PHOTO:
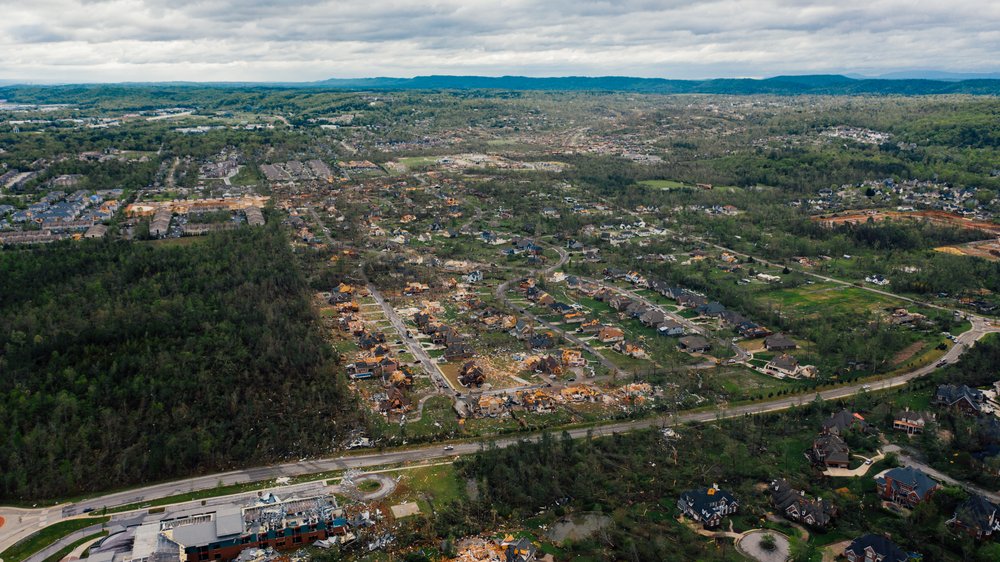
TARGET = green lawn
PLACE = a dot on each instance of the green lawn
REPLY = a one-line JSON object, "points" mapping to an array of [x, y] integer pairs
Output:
{"points": [[742, 384], [43, 538], [432, 485], [664, 184], [823, 298]]}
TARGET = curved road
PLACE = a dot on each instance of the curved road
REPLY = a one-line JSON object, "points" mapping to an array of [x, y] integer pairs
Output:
{"points": [[980, 328]]}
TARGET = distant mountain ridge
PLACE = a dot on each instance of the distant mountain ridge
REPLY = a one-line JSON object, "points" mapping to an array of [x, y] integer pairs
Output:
{"points": [[830, 84], [811, 84]]}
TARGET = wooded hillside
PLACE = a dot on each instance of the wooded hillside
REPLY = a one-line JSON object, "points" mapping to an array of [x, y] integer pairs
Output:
{"points": [[126, 363]]}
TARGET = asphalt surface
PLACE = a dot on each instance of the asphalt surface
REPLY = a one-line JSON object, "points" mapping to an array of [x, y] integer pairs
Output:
{"points": [[22, 522], [434, 452], [411, 343]]}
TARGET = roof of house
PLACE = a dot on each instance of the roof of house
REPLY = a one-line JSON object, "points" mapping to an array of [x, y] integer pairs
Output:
{"points": [[843, 420], [952, 394], [653, 315], [694, 342], [879, 545], [711, 308], [784, 496], [704, 501], [784, 362], [913, 478], [779, 341], [912, 416], [832, 447]]}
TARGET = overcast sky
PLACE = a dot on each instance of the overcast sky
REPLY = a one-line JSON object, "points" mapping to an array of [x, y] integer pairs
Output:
{"points": [[303, 40]]}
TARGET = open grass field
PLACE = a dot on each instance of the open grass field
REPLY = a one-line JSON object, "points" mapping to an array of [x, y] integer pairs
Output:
{"points": [[742, 383], [664, 184], [413, 162], [432, 487], [824, 298]]}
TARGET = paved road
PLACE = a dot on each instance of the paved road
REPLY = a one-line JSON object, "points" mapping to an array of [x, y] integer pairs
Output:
{"points": [[772, 264], [64, 542], [980, 328], [501, 295], [741, 354], [22, 522], [433, 371], [906, 458], [13, 529]]}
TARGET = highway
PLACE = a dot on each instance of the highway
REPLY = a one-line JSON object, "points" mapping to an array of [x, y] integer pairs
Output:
{"points": [[21, 522]]}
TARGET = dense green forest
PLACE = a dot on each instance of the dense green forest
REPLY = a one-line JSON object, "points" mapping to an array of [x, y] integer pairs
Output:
{"points": [[126, 363]]}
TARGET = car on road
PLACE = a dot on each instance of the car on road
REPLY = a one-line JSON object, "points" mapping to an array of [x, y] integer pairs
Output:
{"points": [[868, 461], [88, 509], [449, 448], [941, 364]]}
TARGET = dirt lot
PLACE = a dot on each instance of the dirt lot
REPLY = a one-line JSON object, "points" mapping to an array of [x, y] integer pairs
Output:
{"points": [[939, 217]]}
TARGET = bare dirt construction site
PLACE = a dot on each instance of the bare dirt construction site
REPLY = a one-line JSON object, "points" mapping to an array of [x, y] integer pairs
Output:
{"points": [[986, 249], [937, 217]]}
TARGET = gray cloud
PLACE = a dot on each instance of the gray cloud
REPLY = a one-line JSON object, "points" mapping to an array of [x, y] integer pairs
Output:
{"points": [[97, 40]]}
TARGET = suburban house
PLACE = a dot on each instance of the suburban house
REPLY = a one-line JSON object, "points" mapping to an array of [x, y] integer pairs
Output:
{"points": [[879, 280], [636, 309], [707, 505], [711, 309], [520, 550], [786, 365], [751, 330], [522, 329], [653, 317], [573, 358], [592, 327], [541, 340], [471, 375], [694, 344], [670, 328], [610, 335], [794, 505], [831, 451], [906, 486], [691, 300], [911, 422], [458, 350], [961, 397], [779, 342], [874, 548], [629, 349], [977, 516], [844, 421], [619, 302]]}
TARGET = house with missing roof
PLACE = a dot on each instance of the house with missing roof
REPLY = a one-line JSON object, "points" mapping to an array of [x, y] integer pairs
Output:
{"points": [[977, 516]]}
